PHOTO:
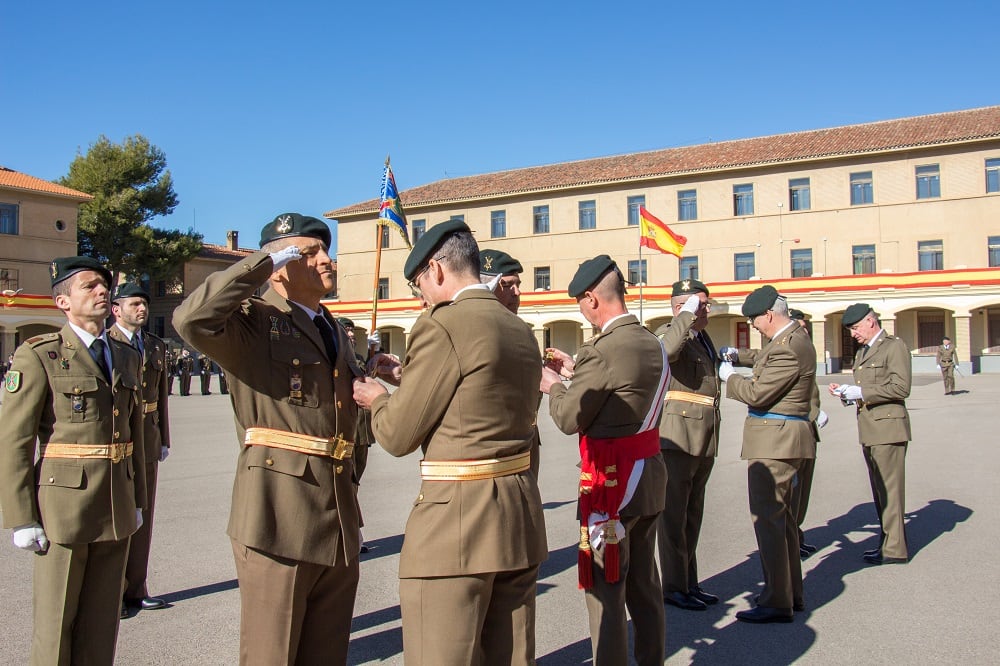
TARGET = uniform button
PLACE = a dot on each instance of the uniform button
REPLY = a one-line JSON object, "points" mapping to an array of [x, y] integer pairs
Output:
{"points": [[420, 497], [115, 412], [144, 383], [77, 390], [336, 373], [117, 434], [684, 412], [52, 479], [269, 462], [338, 405], [295, 361], [339, 469]]}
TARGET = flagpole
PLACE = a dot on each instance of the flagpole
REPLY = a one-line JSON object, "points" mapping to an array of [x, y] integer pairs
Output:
{"points": [[378, 263], [641, 281]]}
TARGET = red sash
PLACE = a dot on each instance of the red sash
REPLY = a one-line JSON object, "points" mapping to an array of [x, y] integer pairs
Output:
{"points": [[605, 468]]}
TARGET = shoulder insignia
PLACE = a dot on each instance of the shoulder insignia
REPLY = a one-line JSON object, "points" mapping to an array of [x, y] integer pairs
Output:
{"points": [[45, 337], [12, 382]]}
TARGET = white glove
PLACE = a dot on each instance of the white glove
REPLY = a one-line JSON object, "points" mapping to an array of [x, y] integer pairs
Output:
{"points": [[726, 370], [285, 256], [822, 419], [692, 304], [374, 340], [138, 518], [164, 452], [729, 354], [939, 367], [31, 537], [848, 392]]}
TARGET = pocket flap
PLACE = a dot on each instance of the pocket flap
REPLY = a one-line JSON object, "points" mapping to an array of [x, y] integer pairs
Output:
{"points": [[62, 475], [435, 492], [277, 460], [74, 384]]}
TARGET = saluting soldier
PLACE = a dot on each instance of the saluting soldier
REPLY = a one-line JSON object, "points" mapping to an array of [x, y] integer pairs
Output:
{"points": [[614, 402], [476, 535], [945, 359], [294, 522], [76, 391], [186, 365], [689, 441], [883, 377], [131, 310], [777, 437]]}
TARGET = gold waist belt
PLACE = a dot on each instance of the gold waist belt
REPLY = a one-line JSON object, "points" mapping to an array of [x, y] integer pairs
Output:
{"points": [[334, 447], [471, 470], [113, 452], [696, 398], [149, 407]]}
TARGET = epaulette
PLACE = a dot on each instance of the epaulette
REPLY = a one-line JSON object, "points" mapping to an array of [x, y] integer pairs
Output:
{"points": [[435, 307], [39, 339]]}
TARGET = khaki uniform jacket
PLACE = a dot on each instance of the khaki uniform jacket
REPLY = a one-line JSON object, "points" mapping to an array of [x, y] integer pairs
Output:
{"points": [[614, 384], [688, 426], [285, 503], [783, 382], [945, 357], [469, 391], [64, 398], [885, 375], [156, 425]]}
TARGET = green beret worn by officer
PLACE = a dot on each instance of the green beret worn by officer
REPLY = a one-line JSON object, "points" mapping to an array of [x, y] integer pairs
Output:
{"points": [[294, 514], [422, 250], [498, 262], [131, 310], [77, 498], [501, 272], [797, 315], [759, 301], [687, 287], [589, 273]]}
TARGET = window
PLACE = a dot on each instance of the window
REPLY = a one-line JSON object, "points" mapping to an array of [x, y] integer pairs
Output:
{"points": [[8, 219], [798, 194], [930, 255], [9, 279], [159, 326], [688, 268], [993, 247], [637, 271], [383, 289], [863, 259], [385, 235], [543, 281], [161, 288], [993, 175], [633, 209], [743, 266], [687, 205], [930, 330], [861, 188], [588, 215], [540, 215], [802, 263], [742, 200], [928, 181], [498, 223], [460, 218], [418, 230]]}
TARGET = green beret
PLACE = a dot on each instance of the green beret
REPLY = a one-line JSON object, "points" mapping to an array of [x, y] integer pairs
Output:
{"points": [[497, 262], [855, 313], [796, 314], [345, 322], [288, 225], [760, 301], [588, 274], [63, 267], [430, 241], [691, 286], [129, 290]]}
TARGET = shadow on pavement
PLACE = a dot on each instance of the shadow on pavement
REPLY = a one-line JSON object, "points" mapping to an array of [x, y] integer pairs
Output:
{"points": [[200, 591]]}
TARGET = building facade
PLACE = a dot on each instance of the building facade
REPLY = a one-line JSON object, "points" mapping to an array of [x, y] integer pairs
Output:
{"points": [[902, 214]]}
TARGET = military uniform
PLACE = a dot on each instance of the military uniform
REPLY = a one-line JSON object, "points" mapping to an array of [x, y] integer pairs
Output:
{"points": [[945, 359], [156, 436], [205, 370], [294, 522], [185, 366], [171, 371], [84, 489]]}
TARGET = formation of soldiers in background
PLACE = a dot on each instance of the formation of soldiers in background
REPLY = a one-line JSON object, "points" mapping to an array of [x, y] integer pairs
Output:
{"points": [[182, 364]]}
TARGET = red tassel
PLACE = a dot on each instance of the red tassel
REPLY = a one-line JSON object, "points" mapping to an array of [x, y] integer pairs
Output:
{"points": [[612, 564], [585, 561]]}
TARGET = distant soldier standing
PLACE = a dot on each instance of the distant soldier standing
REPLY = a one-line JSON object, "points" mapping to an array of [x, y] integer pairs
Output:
{"points": [[186, 365], [171, 370], [205, 370], [945, 359]]}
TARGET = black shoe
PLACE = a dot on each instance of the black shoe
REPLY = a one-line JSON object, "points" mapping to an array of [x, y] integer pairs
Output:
{"points": [[703, 596], [124, 612], [682, 600], [797, 606], [765, 615], [873, 551], [364, 548], [146, 603], [878, 558], [803, 553]]}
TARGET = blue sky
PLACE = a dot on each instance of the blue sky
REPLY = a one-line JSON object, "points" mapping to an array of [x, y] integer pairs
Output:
{"points": [[265, 107]]}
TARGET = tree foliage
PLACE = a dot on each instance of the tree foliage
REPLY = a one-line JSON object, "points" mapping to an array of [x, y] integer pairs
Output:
{"points": [[131, 185]]}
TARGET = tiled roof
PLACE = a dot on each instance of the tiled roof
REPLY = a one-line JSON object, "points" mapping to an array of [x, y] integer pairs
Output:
{"points": [[22, 181], [209, 251], [887, 135]]}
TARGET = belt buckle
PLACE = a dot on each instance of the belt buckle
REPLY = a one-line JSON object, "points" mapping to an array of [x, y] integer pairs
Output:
{"points": [[341, 448], [117, 453]]}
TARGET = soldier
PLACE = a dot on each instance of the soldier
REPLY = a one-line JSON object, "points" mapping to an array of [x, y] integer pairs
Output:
{"points": [[77, 392], [689, 441], [777, 436], [186, 366], [294, 522], [503, 273], [131, 310], [945, 359], [223, 382], [171, 370], [476, 535], [884, 376], [614, 402], [363, 437], [205, 370]]}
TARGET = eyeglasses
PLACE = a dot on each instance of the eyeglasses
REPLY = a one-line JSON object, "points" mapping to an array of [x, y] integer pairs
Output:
{"points": [[751, 320], [412, 284]]}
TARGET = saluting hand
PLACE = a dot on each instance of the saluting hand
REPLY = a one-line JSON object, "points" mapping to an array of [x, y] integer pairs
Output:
{"points": [[283, 257]]}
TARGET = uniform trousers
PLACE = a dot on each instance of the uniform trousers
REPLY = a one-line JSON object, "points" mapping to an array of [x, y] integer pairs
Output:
{"points": [[470, 620], [771, 506], [887, 473], [294, 612], [680, 523], [800, 493], [638, 589], [185, 383], [948, 373], [205, 381], [77, 601], [138, 548]]}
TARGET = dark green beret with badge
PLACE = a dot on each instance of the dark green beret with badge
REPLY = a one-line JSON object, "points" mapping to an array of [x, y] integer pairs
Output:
{"points": [[64, 267], [498, 262], [589, 273], [688, 287], [128, 290], [428, 243], [288, 225], [855, 313], [798, 315], [345, 322], [760, 301]]}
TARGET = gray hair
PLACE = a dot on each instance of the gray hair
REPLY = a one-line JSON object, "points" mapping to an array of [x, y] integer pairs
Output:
{"points": [[780, 306]]}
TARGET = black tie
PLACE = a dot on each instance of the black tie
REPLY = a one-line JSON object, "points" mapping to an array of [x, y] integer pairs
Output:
{"points": [[97, 352], [326, 332], [137, 342]]}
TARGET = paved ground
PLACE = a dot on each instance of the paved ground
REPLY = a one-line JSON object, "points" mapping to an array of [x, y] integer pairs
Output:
{"points": [[937, 609]]}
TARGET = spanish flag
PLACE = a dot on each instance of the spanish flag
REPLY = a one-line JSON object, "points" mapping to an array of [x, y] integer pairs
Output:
{"points": [[655, 234]]}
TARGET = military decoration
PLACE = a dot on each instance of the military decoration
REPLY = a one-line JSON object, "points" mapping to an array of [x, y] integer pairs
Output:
{"points": [[284, 224], [274, 329], [64, 363], [77, 403], [286, 329], [52, 355], [295, 386]]}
